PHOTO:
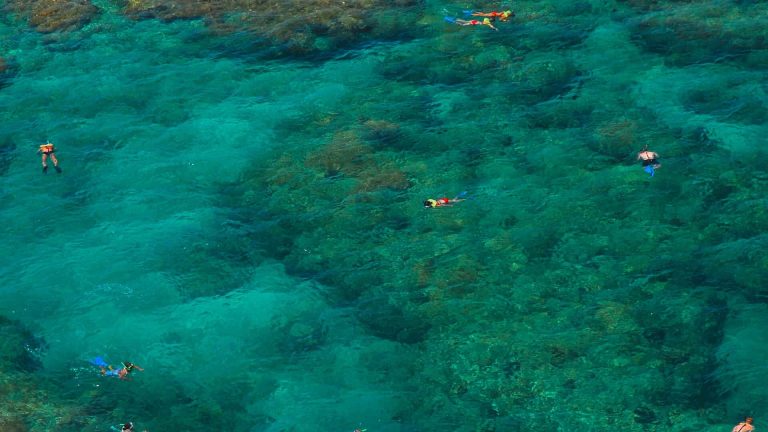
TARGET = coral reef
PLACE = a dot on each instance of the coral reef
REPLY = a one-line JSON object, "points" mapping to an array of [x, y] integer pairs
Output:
{"points": [[570, 291], [299, 26], [30, 402], [54, 15], [698, 32]]}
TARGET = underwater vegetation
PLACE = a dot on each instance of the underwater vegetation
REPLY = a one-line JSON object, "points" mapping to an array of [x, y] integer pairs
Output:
{"points": [[298, 26], [285, 28], [54, 15], [583, 303], [570, 291]]}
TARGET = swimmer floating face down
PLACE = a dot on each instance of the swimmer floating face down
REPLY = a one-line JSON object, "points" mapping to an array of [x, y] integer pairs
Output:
{"points": [[650, 160], [444, 202], [461, 22], [504, 16]]}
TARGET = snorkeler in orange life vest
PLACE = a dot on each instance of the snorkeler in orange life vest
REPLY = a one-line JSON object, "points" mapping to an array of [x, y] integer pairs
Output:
{"points": [[47, 149], [504, 16]]}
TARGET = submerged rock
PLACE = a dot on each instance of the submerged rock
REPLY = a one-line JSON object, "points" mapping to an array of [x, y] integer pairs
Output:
{"points": [[19, 348], [701, 32], [644, 415], [300, 26], [12, 425], [391, 322], [54, 15], [8, 70]]}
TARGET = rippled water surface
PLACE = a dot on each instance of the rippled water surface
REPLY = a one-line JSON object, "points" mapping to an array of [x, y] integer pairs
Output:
{"points": [[240, 213]]}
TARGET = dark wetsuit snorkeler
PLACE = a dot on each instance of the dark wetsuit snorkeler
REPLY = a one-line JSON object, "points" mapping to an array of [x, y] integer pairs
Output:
{"points": [[650, 160], [127, 427], [47, 150]]}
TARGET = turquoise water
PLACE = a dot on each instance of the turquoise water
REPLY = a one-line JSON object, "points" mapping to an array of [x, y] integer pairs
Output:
{"points": [[240, 213]]}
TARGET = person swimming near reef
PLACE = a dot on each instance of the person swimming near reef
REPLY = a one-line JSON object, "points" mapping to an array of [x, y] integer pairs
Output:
{"points": [[128, 367], [650, 160], [504, 16], [108, 370], [461, 22], [444, 202], [126, 427], [47, 150], [745, 426]]}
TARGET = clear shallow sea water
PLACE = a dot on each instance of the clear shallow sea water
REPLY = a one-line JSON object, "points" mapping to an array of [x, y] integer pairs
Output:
{"points": [[249, 229]]}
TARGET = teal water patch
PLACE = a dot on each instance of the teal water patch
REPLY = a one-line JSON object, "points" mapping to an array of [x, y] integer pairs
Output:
{"points": [[251, 232]]}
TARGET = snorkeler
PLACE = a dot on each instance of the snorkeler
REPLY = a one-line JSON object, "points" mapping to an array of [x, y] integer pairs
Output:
{"points": [[745, 426], [47, 149], [444, 202], [108, 370], [649, 158], [461, 22], [504, 16], [127, 427], [128, 367]]}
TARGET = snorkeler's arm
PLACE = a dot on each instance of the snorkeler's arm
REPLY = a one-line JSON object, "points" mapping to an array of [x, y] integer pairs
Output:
{"points": [[138, 367]]}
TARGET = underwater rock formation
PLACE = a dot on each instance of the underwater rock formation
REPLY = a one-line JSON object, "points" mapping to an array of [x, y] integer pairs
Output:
{"points": [[19, 348], [31, 405], [700, 32], [300, 26], [8, 70], [29, 402], [54, 15]]}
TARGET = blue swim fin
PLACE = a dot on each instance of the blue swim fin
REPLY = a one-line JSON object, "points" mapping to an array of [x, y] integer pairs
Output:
{"points": [[450, 20], [461, 195], [468, 12], [98, 361], [649, 169]]}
